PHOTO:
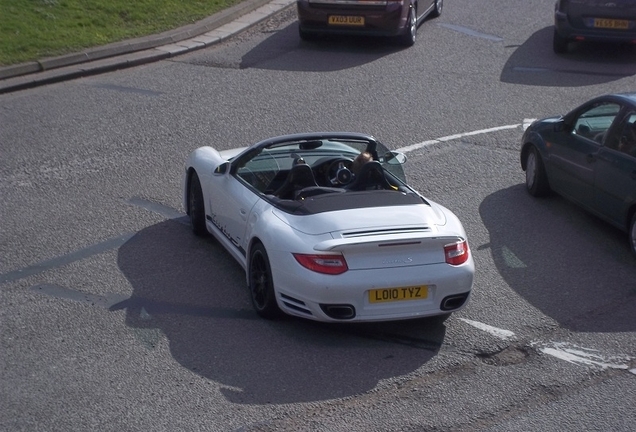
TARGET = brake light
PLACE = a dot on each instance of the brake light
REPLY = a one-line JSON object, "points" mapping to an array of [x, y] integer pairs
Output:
{"points": [[327, 264], [456, 253]]}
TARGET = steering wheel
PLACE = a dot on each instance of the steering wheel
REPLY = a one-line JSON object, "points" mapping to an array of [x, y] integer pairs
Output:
{"points": [[339, 172]]}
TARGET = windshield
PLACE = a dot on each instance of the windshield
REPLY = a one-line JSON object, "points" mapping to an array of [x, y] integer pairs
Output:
{"points": [[265, 167]]}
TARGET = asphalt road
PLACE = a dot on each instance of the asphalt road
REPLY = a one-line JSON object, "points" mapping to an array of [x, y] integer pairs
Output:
{"points": [[114, 317]]}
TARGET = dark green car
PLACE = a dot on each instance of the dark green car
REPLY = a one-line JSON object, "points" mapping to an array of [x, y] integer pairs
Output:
{"points": [[589, 157]]}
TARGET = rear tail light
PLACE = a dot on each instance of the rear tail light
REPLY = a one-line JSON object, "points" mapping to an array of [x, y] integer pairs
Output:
{"points": [[326, 264], [456, 253]]}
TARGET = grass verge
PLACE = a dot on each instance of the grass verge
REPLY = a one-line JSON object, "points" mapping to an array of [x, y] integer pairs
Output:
{"points": [[35, 29]]}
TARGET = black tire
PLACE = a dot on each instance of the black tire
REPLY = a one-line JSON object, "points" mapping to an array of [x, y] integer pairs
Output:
{"points": [[261, 284], [410, 32], [559, 43], [196, 206], [632, 234], [536, 179], [437, 10]]}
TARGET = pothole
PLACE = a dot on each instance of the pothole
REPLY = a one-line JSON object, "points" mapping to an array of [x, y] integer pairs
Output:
{"points": [[508, 356]]}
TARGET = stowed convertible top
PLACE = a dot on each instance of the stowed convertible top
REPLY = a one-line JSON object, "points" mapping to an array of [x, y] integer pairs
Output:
{"points": [[321, 199]]}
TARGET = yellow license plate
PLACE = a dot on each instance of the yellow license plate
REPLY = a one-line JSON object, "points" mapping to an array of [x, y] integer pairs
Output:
{"points": [[346, 20], [611, 23], [398, 294]]}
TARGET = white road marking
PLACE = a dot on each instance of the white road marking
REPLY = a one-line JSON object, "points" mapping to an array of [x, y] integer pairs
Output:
{"points": [[527, 122], [564, 351], [471, 32], [584, 356], [497, 332], [511, 259], [454, 137]]}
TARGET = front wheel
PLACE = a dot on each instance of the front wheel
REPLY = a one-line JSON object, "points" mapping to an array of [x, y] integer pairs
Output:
{"points": [[410, 31], [261, 284], [632, 234], [536, 178]]}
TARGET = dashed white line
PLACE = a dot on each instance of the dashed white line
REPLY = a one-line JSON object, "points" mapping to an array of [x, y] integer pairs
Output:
{"points": [[497, 332]]}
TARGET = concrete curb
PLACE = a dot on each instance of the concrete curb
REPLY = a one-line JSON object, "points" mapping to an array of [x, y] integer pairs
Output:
{"points": [[135, 52]]}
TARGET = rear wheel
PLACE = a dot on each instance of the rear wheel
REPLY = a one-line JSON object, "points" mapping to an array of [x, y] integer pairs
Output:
{"points": [[196, 206], [410, 32], [559, 43], [261, 284], [437, 11], [632, 234], [536, 179]]}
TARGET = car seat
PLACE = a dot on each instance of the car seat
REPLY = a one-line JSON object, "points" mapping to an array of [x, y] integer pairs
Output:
{"points": [[300, 176]]}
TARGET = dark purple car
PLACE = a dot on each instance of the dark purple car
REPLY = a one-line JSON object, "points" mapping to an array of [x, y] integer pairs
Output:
{"points": [[365, 17], [593, 20]]}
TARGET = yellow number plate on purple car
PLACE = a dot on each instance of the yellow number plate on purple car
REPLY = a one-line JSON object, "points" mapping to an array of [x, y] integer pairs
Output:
{"points": [[398, 294], [611, 23], [346, 20]]}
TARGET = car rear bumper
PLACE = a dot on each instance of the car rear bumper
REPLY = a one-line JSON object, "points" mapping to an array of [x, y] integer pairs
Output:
{"points": [[388, 21], [307, 294], [566, 30]]}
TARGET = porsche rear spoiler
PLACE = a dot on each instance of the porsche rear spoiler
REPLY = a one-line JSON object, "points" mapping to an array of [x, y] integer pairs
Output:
{"points": [[403, 239]]}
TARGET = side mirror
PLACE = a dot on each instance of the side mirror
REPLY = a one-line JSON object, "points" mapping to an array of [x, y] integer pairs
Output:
{"points": [[394, 158], [221, 169], [565, 123]]}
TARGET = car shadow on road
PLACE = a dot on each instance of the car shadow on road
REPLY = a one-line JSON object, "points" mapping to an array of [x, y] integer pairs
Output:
{"points": [[535, 63], [567, 263], [285, 51], [192, 291]]}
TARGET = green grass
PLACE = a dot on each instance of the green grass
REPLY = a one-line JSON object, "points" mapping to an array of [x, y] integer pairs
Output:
{"points": [[35, 29]]}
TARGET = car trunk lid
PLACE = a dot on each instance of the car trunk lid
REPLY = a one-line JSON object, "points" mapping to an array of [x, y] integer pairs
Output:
{"points": [[382, 237], [582, 14]]}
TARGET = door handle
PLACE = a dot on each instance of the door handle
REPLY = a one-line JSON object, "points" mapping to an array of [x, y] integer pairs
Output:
{"points": [[243, 213], [590, 158]]}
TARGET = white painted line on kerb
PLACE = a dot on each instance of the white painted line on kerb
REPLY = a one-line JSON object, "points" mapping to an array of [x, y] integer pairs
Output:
{"points": [[454, 137], [497, 332]]}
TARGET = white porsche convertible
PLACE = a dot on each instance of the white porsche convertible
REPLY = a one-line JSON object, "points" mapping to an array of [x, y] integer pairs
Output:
{"points": [[324, 239]]}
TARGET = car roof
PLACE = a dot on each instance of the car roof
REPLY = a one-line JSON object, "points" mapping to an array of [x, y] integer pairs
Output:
{"points": [[628, 97]]}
